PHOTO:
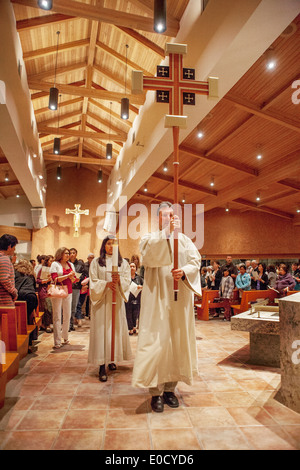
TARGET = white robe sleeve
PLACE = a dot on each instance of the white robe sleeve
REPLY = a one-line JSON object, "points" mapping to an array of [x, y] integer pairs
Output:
{"points": [[97, 285], [156, 250], [192, 267], [125, 280]]}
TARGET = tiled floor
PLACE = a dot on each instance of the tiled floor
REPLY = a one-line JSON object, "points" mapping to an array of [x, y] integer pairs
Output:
{"points": [[57, 402]]}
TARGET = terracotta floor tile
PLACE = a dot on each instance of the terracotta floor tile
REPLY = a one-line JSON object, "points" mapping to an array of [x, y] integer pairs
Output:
{"points": [[128, 401], [210, 417], [126, 418], [88, 402], [41, 420], [60, 389], [46, 402], [170, 418], [200, 399], [85, 419], [79, 440], [222, 439], [175, 439], [251, 416], [127, 440], [267, 438], [25, 441]]}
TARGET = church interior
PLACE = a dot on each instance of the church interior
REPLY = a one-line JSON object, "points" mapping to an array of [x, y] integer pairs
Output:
{"points": [[239, 171]]}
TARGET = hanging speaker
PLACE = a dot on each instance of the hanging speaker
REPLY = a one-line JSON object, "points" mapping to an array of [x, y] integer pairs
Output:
{"points": [[39, 218]]}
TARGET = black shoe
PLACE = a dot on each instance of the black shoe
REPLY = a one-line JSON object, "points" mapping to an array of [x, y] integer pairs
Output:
{"points": [[102, 373], [112, 366], [157, 404], [170, 399]]}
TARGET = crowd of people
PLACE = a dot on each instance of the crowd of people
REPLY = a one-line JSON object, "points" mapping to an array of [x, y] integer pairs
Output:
{"points": [[160, 359]]}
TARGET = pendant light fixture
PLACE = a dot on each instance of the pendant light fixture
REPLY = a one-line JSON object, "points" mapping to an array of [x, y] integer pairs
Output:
{"points": [[109, 145], [100, 176], [160, 16], [125, 101], [56, 143], [45, 4], [53, 96], [58, 173]]}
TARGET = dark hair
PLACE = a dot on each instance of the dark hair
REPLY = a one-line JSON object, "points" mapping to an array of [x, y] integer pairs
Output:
{"points": [[74, 250], [263, 266], [102, 256], [284, 267], [271, 268], [243, 266], [162, 205], [7, 240]]}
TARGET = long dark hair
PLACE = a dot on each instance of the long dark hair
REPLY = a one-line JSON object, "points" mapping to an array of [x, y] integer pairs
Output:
{"points": [[102, 256]]}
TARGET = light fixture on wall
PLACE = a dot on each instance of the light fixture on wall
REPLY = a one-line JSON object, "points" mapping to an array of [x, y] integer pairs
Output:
{"points": [[58, 173], [125, 101], [109, 145], [56, 142], [45, 4], [53, 95], [99, 177], [160, 16]]}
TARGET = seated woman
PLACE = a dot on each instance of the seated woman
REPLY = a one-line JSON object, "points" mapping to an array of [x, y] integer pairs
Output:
{"points": [[25, 285], [285, 281]]}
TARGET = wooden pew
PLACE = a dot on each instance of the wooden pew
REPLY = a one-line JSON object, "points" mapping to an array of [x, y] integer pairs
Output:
{"points": [[15, 342], [249, 296], [10, 365], [22, 326], [203, 307], [3, 381]]}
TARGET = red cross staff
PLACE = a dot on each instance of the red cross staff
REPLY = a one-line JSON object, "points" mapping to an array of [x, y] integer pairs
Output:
{"points": [[175, 85]]}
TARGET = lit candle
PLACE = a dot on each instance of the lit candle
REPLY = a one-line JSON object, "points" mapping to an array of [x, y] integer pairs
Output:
{"points": [[115, 257]]}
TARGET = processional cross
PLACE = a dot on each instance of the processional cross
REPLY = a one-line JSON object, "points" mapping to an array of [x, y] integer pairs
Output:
{"points": [[177, 86], [76, 219]]}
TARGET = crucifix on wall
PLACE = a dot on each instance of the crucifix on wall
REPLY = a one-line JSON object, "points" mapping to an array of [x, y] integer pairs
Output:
{"points": [[76, 219], [177, 86]]}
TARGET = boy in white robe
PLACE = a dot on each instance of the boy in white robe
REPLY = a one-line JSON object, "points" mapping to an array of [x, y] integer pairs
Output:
{"points": [[166, 351]]}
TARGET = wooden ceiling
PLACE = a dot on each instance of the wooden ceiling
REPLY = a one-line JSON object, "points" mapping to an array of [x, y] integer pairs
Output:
{"points": [[256, 116], [90, 73]]}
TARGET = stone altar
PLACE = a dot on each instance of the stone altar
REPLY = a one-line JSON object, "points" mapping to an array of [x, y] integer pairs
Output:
{"points": [[289, 314], [262, 323]]}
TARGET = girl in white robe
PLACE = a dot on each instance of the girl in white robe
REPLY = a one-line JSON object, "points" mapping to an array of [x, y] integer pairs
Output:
{"points": [[101, 281]]}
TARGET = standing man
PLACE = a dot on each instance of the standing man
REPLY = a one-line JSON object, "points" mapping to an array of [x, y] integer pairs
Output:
{"points": [[166, 351], [84, 293], [8, 292], [233, 271], [134, 300], [79, 267]]}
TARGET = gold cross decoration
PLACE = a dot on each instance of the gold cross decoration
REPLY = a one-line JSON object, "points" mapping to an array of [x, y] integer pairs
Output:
{"points": [[76, 219]]}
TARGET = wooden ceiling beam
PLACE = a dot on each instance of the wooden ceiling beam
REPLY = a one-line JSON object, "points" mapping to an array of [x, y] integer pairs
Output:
{"points": [[219, 160], [86, 135], [269, 210], [45, 51], [142, 40], [289, 184], [83, 92], [105, 123], [107, 110], [121, 58], [76, 159], [61, 105], [59, 71], [62, 117], [256, 110], [185, 184], [40, 21], [105, 15]]}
